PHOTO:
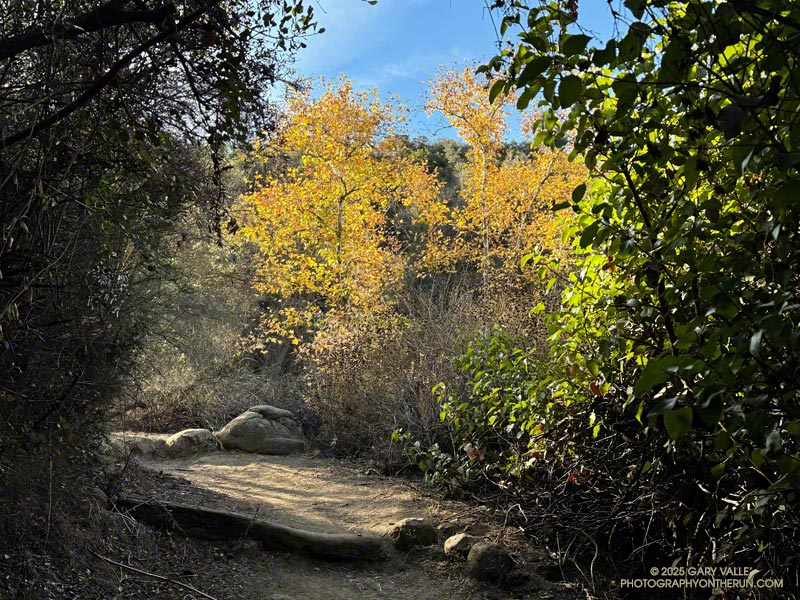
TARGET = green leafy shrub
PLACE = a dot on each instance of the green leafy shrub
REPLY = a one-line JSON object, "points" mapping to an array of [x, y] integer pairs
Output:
{"points": [[496, 409], [681, 320]]}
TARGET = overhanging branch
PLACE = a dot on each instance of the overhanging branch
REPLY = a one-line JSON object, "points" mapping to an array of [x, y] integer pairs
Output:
{"points": [[103, 81], [104, 17]]}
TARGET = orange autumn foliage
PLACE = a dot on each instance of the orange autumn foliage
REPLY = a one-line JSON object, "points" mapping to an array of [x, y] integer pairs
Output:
{"points": [[320, 222], [505, 207]]}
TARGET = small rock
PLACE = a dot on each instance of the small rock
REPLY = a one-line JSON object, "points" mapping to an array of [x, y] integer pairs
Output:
{"points": [[189, 442], [489, 562], [99, 495], [459, 545], [409, 533], [449, 529]]}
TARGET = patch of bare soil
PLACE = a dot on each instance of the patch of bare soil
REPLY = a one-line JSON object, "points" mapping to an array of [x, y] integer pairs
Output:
{"points": [[322, 495]]}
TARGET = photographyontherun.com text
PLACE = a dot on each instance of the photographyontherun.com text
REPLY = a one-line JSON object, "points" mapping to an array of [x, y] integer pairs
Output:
{"points": [[704, 578]]}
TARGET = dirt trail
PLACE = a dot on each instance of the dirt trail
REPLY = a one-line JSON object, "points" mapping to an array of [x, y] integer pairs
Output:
{"points": [[330, 496], [308, 493]]}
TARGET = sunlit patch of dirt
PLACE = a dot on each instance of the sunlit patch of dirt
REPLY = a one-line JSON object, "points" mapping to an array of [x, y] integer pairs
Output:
{"points": [[327, 495]]}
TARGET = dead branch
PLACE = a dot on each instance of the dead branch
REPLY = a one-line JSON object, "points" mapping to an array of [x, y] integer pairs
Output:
{"points": [[185, 586]]}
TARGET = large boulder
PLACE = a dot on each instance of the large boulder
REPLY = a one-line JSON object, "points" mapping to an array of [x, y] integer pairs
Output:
{"points": [[189, 442], [412, 532], [489, 562], [264, 429]]}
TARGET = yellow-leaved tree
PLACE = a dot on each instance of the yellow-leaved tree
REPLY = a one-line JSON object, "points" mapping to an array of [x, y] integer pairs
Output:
{"points": [[505, 206], [319, 220]]}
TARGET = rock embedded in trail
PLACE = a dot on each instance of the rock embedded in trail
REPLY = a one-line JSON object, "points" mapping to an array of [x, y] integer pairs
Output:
{"points": [[413, 532], [190, 442], [459, 545], [263, 429], [489, 562], [137, 444], [213, 524]]}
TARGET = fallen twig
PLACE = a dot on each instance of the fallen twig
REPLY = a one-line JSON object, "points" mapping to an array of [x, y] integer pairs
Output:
{"points": [[185, 586]]}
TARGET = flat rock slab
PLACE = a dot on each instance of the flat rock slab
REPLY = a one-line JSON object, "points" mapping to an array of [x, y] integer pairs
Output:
{"points": [[139, 444], [213, 524]]}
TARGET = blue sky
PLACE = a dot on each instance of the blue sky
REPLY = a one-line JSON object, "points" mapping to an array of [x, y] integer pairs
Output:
{"points": [[397, 45]]}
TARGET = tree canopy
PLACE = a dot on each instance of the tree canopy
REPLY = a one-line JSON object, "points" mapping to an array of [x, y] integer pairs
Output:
{"points": [[321, 222], [504, 204], [114, 117]]}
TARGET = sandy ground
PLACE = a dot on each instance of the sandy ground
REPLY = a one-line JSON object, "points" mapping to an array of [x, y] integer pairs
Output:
{"points": [[326, 495]]}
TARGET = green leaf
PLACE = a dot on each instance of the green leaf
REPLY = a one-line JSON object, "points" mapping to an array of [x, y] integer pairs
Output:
{"points": [[730, 120], [524, 99], [675, 61], [630, 48], [678, 422], [636, 7], [746, 160], [578, 193], [497, 87], [535, 67], [786, 160], [757, 458], [574, 44], [605, 56], [626, 90], [570, 90], [653, 374], [793, 427], [588, 235], [639, 411], [755, 343], [525, 260], [665, 405], [722, 441], [774, 442]]}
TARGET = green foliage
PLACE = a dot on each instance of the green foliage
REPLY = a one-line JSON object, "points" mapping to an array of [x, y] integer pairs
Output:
{"points": [[685, 304], [496, 410], [496, 413], [695, 134]]}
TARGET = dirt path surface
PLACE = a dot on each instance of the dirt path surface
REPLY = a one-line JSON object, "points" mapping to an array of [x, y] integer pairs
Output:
{"points": [[304, 492], [330, 496]]}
